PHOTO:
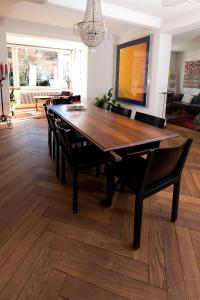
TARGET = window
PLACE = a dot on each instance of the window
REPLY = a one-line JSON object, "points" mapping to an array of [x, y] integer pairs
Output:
{"points": [[36, 67]]}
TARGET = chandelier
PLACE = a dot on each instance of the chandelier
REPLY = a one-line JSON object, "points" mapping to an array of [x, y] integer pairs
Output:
{"points": [[92, 29]]}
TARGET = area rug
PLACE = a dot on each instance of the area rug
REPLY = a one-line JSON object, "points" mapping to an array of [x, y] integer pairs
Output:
{"points": [[186, 121]]}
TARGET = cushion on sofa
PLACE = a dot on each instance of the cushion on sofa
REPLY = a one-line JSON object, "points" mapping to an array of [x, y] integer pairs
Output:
{"points": [[196, 100], [187, 98]]}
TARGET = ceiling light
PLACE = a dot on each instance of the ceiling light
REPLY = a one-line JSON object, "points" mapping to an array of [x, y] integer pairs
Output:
{"points": [[92, 29]]}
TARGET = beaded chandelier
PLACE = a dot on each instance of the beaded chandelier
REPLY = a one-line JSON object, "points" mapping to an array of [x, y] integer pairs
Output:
{"points": [[92, 29]]}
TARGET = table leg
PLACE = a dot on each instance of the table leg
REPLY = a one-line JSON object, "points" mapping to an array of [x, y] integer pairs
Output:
{"points": [[36, 106]]}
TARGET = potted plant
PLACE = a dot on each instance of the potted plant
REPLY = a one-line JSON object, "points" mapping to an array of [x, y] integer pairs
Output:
{"points": [[13, 101], [106, 98], [197, 122]]}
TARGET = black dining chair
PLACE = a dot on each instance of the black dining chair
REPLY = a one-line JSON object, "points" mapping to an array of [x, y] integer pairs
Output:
{"points": [[121, 111], [104, 105], [75, 98], [76, 138], [162, 168], [50, 130], [82, 158], [150, 119], [65, 94], [59, 101]]}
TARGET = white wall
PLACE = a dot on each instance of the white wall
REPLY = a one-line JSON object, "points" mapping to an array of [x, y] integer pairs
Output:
{"points": [[159, 71], [100, 69]]}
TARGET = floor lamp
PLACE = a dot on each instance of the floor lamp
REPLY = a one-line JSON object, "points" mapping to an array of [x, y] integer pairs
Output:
{"points": [[165, 103]]}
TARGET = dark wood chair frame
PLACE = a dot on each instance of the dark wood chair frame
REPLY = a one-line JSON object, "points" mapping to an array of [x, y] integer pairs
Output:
{"points": [[157, 162], [151, 120], [121, 111], [78, 140], [59, 101], [67, 155], [50, 130], [148, 119], [104, 105]]}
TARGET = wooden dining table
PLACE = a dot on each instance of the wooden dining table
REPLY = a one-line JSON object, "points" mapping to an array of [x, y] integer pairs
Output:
{"points": [[110, 131]]}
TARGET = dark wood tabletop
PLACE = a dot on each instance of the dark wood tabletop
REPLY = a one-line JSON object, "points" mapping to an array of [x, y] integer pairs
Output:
{"points": [[110, 131]]}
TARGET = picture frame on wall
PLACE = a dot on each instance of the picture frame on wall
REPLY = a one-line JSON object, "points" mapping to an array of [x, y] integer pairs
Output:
{"points": [[132, 71]]}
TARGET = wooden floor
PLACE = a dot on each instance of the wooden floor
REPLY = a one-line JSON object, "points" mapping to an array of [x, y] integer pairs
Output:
{"points": [[48, 253]]}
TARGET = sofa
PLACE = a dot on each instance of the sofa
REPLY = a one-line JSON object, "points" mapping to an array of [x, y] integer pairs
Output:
{"points": [[176, 102]]}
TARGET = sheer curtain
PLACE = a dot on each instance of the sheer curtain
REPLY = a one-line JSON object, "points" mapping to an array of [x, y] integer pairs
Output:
{"points": [[79, 73]]}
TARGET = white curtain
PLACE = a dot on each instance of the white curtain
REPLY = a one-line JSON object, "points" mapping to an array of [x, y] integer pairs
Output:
{"points": [[79, 73]]}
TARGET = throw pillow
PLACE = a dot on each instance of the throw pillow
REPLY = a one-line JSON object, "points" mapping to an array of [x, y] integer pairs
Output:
{"points": [[187, 98]]}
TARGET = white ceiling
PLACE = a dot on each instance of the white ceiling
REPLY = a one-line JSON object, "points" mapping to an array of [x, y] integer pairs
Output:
{"points": [[56, 16], [154, 7], [186, 41], [64, 13]]}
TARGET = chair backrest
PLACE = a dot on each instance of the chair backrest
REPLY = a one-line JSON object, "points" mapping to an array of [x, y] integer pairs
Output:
{"points": [[75, 99], [47, 115], [52, 125], [121, 111], [104, 105], [65, 93], [59, 101], [66, 145], [165, 164], [149, 119]]}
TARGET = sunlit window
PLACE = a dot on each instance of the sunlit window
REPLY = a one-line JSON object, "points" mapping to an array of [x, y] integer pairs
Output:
{"points": [[39, 67]]}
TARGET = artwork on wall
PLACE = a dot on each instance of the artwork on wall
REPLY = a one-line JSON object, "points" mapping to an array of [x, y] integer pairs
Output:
{"points": [[192, 74], [132, 71]]}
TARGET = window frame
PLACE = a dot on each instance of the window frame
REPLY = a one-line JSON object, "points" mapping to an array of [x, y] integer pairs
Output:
{"points": [[15, 66]]}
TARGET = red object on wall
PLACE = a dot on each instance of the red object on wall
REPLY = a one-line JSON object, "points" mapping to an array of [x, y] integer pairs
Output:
{"points": [[1, 68]]}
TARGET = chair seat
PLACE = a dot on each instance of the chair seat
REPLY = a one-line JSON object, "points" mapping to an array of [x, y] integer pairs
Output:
{"points": [[90, 155]]}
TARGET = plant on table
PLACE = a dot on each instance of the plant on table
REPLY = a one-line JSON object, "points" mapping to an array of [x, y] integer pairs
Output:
{"points": [[107, 98]]}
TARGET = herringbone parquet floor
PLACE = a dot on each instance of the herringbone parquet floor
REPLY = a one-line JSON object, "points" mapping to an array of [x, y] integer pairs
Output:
{"points": [[48, 253]]}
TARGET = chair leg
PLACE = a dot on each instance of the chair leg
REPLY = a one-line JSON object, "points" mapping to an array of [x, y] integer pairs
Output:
{"points": [[175, 201], [57, 160], [50, 141], [49, 132], [63, 168], [109, 184], [98, 170], [137, 222], [54, 148], [122, 186], [75, 192]]}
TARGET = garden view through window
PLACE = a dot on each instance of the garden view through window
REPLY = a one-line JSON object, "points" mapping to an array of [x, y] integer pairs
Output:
{"points": [[39, 67]]}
